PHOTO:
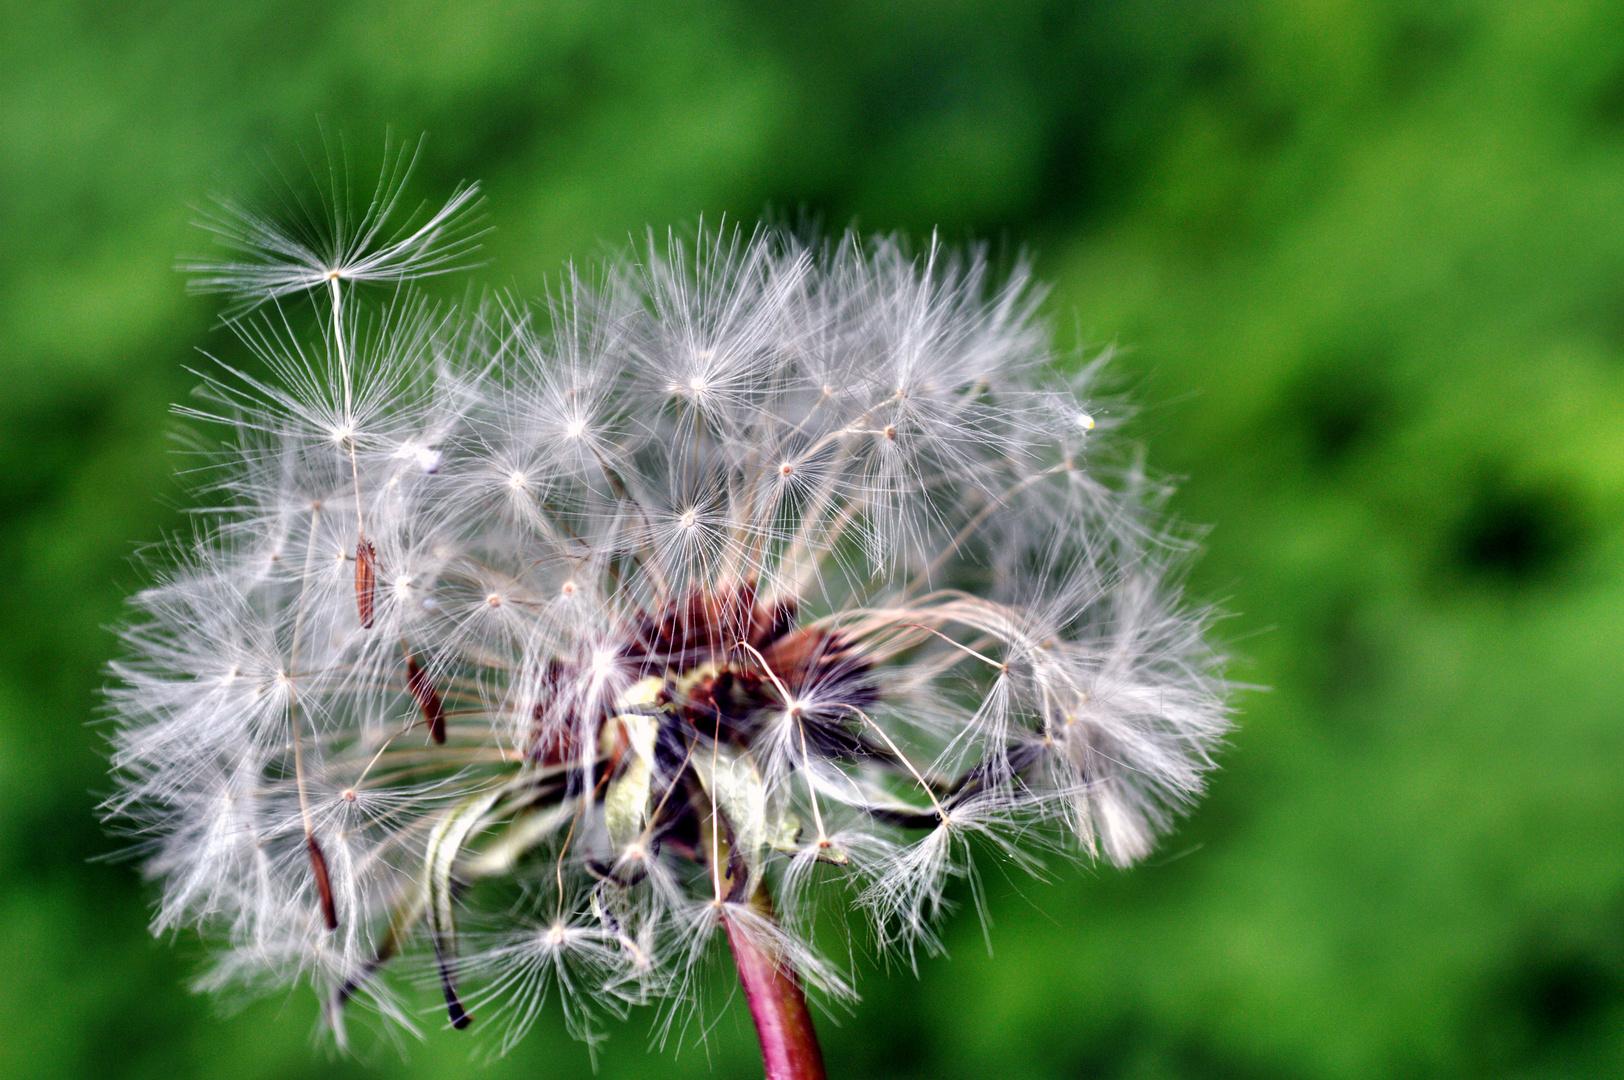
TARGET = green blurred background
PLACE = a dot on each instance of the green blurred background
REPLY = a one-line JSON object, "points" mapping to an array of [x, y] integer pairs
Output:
{"points": [[1367, 264]]}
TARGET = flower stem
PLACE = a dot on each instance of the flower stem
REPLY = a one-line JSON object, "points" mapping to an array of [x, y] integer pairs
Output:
{"points": [[789, 1045]]}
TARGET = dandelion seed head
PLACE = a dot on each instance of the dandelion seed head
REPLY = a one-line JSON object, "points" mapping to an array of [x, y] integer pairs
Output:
{"points": [[745, 569]]}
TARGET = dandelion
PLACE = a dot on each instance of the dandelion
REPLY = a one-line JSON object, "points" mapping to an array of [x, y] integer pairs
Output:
{"points": [[531, 650]]}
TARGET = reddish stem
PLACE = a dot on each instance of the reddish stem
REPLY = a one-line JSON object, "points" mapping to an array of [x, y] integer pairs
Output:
{"points": [[789, 1045]]}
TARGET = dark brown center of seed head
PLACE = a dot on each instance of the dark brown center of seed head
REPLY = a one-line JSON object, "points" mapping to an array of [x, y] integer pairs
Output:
{"points": [[722, 655]]}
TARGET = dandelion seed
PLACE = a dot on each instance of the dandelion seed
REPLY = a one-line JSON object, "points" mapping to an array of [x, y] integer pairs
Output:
{"points": [[427, 698], [765, 570], [379, 244], [366, 580], [324, 883]]}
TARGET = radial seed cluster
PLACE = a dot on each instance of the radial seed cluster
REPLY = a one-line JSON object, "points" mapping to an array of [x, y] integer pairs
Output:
{"points": [[530, 644]]}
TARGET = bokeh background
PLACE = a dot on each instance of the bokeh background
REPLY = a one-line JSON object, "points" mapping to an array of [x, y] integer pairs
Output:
{"points": [[1366, 265]]}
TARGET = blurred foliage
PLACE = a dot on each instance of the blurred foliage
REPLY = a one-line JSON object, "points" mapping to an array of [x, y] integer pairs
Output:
{"points": [[1367, 265]]}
